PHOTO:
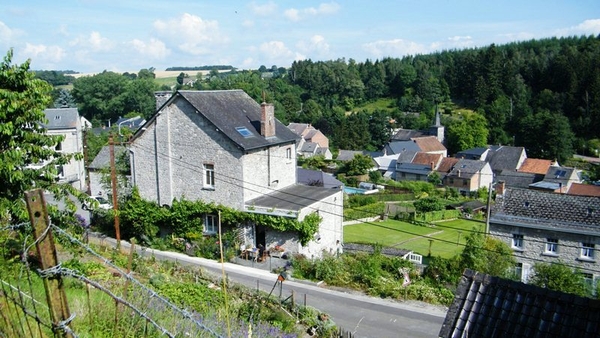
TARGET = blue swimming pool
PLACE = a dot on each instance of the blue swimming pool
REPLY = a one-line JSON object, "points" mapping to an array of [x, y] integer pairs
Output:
{"points": [[352, 190]]}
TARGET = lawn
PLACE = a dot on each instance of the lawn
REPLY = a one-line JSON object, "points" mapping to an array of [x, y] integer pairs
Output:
{"points": [[448, 237]]}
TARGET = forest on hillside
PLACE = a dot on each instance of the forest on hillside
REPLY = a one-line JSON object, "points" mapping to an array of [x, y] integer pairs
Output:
{"points": [[540, 94]]}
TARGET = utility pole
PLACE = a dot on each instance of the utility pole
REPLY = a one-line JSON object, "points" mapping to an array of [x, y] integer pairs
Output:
{"points": [[487, 209], [85, 163], [113, 181]]}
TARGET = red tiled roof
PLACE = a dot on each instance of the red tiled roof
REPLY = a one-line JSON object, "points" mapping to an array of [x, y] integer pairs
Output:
{"points": [[584, 190], [535, 166], [427, 159], [429, 143], [447, 164]]}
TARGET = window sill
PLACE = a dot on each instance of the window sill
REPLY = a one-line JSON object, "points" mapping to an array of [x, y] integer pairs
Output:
{"points": [[587, 260], [550, 254], [518, 249], [208, 188]]}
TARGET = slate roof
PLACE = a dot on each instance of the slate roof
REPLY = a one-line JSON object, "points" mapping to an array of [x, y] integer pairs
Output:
{"points": [[396, 147], [292, 198], [546, 210], [309, 147], [584, 189], [505, 157], [406, 134], [231, 109], [411, 168], [466, 168], [487, 306], [307, 176], [429, 143], [518, 179], [61, 118], [348, 155], [535, 166], [102, 160], [560, 174], [386, 162], [472, 154], [407, 156]]}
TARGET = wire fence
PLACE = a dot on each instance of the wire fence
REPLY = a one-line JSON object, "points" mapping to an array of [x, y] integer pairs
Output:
{"points": [[106, 299]]}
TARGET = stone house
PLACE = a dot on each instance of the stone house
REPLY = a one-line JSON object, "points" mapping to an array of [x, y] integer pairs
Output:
{"points": [[468, 175], [548, 227], [558, 179], [312, 140], [225, 148], [68, 123], [99, 166]]}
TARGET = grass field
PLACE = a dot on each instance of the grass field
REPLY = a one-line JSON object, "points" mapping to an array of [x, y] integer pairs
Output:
{"points": [[448, 237]]}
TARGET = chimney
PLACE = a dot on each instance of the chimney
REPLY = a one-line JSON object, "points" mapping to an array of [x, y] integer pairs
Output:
{"points": [[267, 120], [431, 165], [500, 188], [458, 172], [162, 97]]}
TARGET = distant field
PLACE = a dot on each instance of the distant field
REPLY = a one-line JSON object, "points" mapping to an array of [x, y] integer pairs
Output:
{"points": [[380, 104], [160, 74], [448, 236]]}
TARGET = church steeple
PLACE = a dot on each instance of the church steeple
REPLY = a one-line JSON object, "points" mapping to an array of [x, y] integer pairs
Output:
{"points": [[437, 129]]}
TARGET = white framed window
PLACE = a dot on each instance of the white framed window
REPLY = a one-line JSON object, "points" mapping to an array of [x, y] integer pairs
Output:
{"points": [[209, 175], [587, 250], [288, 153], [551, 246], [517, 241], [210, 224]]}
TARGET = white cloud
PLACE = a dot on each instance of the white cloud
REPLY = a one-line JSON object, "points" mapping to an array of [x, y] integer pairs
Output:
{"points": [[43, 54], [276, 53], [191, 34], [248, 24], [94, 41], [588, 27], [317, 46], [393, 48], [269, 8], [154, 49], [457, 42], [294, 14]]}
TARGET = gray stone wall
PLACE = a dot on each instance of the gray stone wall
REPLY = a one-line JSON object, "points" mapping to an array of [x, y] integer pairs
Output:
{"points": [[184, 142], [267, 170], [534, 246]]}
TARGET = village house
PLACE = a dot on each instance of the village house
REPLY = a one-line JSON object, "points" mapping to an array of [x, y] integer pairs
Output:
{"points": [[100, 167], [468, 176], [225, 148], [548, 227], [312, 141], [68, 123]]}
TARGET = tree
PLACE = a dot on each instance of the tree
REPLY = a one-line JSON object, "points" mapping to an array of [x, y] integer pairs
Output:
{"points": [[23, 139], [487, 255], [470, 132], [558, 277], [101, 97], [359, 165], [428, 204]]}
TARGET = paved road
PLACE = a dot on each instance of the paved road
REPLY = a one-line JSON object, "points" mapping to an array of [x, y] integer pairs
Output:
{"points": [[365, 316]]}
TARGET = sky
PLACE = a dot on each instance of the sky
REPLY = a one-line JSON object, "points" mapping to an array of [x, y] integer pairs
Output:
{"points": [[89, 36]]}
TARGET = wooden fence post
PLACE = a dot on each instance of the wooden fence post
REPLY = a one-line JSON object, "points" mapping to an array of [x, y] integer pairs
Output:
{"points": [[55, 293]]}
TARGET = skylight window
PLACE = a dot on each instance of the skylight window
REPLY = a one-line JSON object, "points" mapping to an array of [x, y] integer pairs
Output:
{"points": [[560, 173], [244, 131]]}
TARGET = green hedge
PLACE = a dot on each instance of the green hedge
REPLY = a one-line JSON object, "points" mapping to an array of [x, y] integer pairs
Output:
{"points": [[371, 210], [437, 215]]}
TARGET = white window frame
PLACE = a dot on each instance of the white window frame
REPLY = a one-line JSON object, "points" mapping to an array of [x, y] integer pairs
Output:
{"points": [[587, 251], [288, 153], [208, 180], [551, 246], [210, 224], [517, 241]]}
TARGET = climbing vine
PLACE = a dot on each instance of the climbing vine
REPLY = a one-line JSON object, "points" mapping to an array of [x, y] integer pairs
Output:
{"points": [[185, 217]]}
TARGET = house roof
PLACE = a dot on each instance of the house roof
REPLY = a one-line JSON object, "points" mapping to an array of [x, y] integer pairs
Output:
{"points": [[429, 143], [386, 162], [309, 147], [307, 177], [406, 156], [231, 111], [561, 174], [102, 160], [539, 209], [406, 134], [584, 190], [348, 155], [298, 128], [518, 179], [62, 118], [472, 154], [466, 168], [535, 166], [396, 147], [411, 168], [447, 164], [427, 159], [487, 306], [292, 198], [132, 123], [505, 157], [546, 185]]}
